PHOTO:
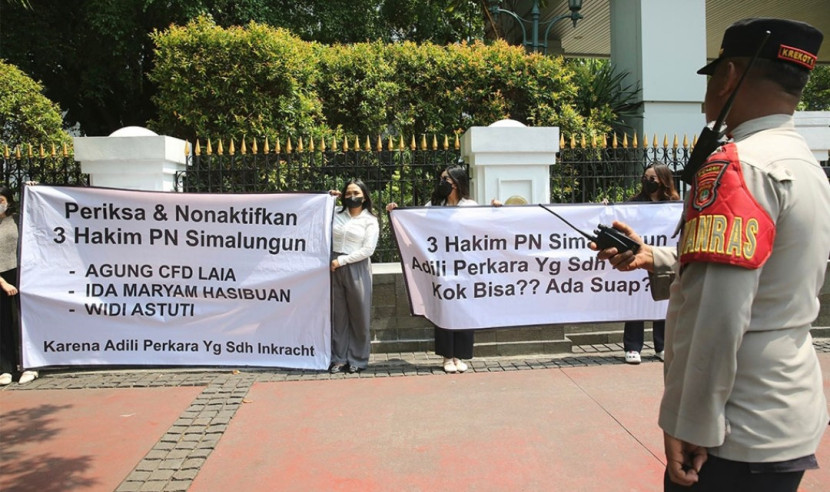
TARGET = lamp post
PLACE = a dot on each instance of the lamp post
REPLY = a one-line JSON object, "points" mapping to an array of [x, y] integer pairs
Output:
{"points": [[534, 45]]}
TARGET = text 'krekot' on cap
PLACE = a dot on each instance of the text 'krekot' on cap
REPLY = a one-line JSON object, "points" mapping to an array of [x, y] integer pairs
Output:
{"points": [[790, 41]]}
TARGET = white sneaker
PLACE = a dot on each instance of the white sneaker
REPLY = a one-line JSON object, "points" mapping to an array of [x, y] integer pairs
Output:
{"points": [[5, 379], [449, 366], [27, 377], [632, 357], [460, 365], [660, 355]]}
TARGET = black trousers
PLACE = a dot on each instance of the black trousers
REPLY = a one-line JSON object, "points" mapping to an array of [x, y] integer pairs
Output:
{"points": [[634, 335], [720, 475], [454, 344], [9, 327]]}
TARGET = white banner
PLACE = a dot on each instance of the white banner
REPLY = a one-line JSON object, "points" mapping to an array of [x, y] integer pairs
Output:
{"points": [[115, 277], [486, 267]]}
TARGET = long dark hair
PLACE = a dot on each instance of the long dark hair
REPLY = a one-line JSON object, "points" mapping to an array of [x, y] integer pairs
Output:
{"points": [[665, 178], [367, 198], [458, 174], [6, 192]]}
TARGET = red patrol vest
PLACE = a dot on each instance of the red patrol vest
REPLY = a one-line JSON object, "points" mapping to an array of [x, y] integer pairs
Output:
{"points": [[724, 223]]}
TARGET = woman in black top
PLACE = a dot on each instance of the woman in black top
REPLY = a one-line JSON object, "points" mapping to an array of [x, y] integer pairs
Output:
{"points": [[657, 185]]}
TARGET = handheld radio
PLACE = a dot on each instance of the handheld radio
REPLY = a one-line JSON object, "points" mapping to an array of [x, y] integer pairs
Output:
{"points": [[712, 138], [606, 237]]}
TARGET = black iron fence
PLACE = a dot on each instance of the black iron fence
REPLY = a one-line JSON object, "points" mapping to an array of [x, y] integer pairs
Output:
{"points": [[55, 166], [584, 172]]}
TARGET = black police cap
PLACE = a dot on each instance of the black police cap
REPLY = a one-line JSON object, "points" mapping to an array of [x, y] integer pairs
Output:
{"points": [[790, 41]]}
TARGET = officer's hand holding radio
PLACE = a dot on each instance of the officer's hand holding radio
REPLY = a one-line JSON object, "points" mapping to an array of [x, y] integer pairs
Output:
{"points": [[627, 260]]}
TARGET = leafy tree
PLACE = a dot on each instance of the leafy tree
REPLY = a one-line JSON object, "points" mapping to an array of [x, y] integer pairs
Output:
{"points": [[816, 96], [438, 22], [93, 55], [26, 115], [603, 93], [90, 55]]}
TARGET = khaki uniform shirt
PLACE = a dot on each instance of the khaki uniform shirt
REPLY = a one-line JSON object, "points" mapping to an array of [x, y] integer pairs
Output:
{"points": [[741, 374]]}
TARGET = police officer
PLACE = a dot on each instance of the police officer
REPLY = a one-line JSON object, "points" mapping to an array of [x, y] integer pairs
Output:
{"points": [[743, 406]]}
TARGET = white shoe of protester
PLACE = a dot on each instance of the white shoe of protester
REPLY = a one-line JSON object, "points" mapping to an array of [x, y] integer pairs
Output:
{"points": [[632, 357], [27, 377]]}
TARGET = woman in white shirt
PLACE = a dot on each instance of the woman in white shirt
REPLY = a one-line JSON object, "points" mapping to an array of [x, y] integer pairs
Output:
{"points": [[354, 238], [453, 190]]}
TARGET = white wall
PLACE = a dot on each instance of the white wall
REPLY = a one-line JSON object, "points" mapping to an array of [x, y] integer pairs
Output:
{"points": [[662, 43]]}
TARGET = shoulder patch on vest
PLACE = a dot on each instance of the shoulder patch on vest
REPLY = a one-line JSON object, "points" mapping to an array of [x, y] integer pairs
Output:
{"points": [[707, 181]]}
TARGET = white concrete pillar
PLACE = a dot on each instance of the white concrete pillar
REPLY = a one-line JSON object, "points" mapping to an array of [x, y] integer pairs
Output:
{"points": [[661, 44], [814, 126], [510, 161], [134, 158]]}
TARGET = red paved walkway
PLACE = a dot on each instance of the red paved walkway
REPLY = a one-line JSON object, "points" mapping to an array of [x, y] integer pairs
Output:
{"points": [[528, 430], [574, 429], [76, 440]]}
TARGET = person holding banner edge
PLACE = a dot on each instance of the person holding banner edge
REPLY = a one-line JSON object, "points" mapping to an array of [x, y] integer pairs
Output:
{"points": [[452, 190], [354, 237], [743, 406], [657, 185], [9, 299]]}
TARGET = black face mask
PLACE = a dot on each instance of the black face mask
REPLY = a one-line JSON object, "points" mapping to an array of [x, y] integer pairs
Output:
{"points": [[353, 201], [650, 186], [444, 189]]}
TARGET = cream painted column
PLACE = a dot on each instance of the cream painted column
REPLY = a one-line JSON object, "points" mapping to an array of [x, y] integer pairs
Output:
{"points": [[661, 44], [814, 126], [134, 158], [510, 161]]}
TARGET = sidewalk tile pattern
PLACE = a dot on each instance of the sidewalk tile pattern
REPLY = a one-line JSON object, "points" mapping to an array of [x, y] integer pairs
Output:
{"points": [[174, 461]]}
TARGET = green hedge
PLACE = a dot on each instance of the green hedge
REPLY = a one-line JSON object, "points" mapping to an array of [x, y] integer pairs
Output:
{"points": [[256, 81], [260, 82]]}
